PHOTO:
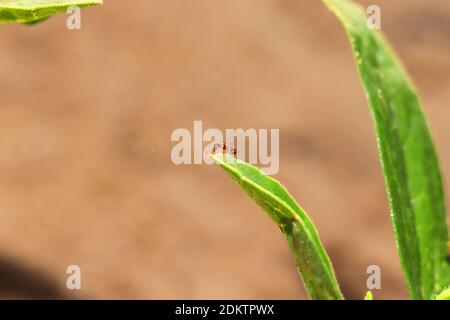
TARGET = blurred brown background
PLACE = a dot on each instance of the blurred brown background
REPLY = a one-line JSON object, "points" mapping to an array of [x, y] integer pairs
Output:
{"points": [[85, 124]]}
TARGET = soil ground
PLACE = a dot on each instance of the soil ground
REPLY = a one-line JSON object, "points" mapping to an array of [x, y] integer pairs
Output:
{"points": [[85, 124]]}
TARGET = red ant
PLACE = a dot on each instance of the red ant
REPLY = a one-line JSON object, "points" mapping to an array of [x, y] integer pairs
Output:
{"points": [[224, 149]]}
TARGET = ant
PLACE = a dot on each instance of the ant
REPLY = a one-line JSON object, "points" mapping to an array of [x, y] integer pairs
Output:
{"points": [[221, 147]]}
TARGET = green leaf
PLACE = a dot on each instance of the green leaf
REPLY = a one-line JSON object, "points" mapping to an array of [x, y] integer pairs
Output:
{"points": [[311, 259], [408, 157], [444, 295], [33, 11], [368, 296]]}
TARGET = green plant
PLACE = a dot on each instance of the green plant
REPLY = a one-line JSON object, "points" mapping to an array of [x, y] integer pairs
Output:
{"points": [[410, 166], [30, 12], [444, 295]]}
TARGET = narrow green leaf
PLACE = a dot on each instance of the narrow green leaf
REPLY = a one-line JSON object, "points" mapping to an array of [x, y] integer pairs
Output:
{"points": [[311, 259], [408, 157], [368, 296], [444, 295], [33, 11]]}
